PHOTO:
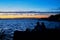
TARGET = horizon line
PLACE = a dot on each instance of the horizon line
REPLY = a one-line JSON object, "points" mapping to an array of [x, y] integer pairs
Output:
{"points": [[29, 12]]}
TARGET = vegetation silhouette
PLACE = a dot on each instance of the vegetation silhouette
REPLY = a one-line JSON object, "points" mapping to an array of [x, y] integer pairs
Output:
{"points": [[54, 17]]}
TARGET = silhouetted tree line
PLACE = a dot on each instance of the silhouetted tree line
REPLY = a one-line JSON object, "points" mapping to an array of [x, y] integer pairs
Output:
{"points": [[54, 17]]}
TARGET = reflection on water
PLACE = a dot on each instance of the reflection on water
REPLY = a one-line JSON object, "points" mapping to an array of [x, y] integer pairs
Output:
{"points": [[9, 26]]}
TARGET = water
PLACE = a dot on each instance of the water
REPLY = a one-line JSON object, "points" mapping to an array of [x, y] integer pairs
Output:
{"points": [[9, 26]]}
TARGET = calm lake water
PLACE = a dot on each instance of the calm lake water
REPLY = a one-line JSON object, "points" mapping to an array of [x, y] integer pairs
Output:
{"points": [[9, 26]]}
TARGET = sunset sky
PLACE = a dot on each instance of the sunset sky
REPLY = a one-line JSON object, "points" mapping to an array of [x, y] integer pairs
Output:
{"points": [[23, 16], [29, 5]]}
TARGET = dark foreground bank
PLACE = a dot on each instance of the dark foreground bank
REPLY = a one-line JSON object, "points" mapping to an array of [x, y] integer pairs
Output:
{"points": [[37, 33]]}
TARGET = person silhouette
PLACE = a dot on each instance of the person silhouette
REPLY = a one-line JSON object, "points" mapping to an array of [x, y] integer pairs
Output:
{"points": [[43, 27], [27, 30], [37, 28]]}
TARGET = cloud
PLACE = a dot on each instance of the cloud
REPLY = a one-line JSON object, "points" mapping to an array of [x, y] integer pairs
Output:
{"points": [[56, 8]]}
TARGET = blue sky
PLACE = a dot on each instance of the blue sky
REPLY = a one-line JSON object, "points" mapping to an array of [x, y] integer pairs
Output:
{"points": [[29, 5]]}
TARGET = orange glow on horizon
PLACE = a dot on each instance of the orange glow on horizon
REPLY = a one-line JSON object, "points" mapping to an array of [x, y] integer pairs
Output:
{"points": [[24, 16]]}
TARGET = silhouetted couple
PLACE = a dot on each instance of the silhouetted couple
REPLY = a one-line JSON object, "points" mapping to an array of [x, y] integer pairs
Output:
{"points": [[39, 27]]}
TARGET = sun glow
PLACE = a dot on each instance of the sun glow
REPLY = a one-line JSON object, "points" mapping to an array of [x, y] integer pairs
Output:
{"points": [[22, 16]]}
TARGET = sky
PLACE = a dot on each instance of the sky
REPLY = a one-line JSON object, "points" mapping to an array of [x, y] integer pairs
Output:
{"points": [[29, 5]]}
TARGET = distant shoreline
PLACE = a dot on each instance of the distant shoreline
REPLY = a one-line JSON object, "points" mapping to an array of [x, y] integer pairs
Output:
{"points": [[16, 18], [44, 19]]}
